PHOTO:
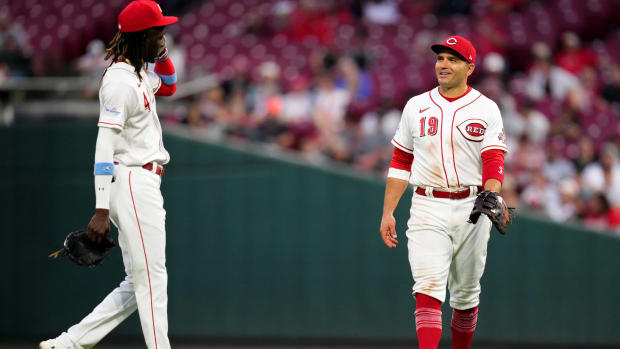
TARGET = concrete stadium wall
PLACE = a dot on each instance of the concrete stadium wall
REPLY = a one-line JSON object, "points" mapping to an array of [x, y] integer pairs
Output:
{"points": [[260, 247]]}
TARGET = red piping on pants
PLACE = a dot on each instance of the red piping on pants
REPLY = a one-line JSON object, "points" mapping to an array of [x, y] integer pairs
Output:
{"points": [[148, 273]]}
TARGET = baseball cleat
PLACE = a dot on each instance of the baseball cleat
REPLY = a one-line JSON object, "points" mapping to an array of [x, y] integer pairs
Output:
{"points": [[49, 344]]}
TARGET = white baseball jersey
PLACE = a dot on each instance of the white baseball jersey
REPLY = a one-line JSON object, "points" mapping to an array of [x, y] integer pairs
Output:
{"points": [[447, 138], [136, 209], [128, 104]]}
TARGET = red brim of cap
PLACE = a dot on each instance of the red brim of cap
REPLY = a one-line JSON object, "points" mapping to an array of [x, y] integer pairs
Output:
{"points": [[167, 20]]}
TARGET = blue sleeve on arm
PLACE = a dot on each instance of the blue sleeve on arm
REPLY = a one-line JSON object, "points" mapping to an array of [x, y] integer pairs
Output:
{"points": [[168, 79], [104, 168]]}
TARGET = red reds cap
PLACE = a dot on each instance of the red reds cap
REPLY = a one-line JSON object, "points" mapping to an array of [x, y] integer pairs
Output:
{"points": [[459, 44], [141, 15]]}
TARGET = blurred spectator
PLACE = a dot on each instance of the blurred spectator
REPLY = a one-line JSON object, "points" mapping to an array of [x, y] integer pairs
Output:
{"points": [[92, 64], [585, 155], [431, 33], [209, 111], [354, 78], [492, 84], [317, 20], [611, 88], [14, 47], [527, 160], [419, 8], [377, 129], [239, 81], [491, 32], [509, 191], [546, 79], [538, 192], [599, 215], [264, 94], [558, 167], [604, 176], [297, 104], [587, 98], [381, 12], [563, 201], [532, 122], [573, 58], [330, 105]]}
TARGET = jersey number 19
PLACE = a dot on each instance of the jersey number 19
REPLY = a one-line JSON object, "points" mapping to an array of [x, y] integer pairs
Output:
{"points": [[432, 126]]}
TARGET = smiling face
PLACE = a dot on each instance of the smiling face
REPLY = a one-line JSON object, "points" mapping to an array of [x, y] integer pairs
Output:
{"points": [[155, 43], [451, 70]]}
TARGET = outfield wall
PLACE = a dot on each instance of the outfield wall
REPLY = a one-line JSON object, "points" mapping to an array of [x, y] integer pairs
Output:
{"points": [[263, 247]]}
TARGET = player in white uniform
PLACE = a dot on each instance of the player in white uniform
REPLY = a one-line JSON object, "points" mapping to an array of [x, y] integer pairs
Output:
{"points": [[449, 145], [128, 167]]}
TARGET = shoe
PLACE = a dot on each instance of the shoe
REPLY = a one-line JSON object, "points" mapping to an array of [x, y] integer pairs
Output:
{"points": [[49, 344]]}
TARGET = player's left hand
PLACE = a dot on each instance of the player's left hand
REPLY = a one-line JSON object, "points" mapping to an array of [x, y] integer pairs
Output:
{"points": [[99, 225], [388, 230], [162, 53]]}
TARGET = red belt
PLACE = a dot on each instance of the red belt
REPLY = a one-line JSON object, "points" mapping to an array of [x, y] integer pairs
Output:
{"points": [[447, 194], [159, 171]]}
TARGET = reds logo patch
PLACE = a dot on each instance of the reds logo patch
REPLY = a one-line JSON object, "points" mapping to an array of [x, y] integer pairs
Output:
{"points": [[473, 129]]}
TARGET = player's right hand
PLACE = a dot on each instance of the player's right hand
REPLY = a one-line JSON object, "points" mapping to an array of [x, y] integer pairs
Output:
{"points": [[388, 230], [99, 225]]}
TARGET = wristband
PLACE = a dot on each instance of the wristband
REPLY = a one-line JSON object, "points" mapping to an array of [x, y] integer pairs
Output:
{"points": [[104, 168]]}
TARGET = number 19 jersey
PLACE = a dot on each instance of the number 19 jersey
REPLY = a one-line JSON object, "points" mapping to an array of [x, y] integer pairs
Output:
{"points": [[447, 137]]}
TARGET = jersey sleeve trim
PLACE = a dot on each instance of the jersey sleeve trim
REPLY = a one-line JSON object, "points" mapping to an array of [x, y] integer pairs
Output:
{"points": [[401, 147], [494, 146], [110, 125]]}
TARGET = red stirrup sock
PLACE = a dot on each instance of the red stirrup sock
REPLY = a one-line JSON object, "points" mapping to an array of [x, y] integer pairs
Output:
{"points": [[463, 327], [427, 321]]}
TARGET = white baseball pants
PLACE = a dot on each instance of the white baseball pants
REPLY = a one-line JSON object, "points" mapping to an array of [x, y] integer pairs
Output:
{"points": [[136, 209], [446, 250]]}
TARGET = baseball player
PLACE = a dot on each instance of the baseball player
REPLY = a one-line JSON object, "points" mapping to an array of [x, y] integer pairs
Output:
{"points": [[128, 167], [456, 137]]}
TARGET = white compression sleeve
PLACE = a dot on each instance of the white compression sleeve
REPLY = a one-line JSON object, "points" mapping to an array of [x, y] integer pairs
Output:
{"points": [[400, 174], [104, 152]]}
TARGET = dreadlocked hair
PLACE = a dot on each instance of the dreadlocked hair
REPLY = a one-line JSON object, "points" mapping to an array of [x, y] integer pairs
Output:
{"points": [[128, 46]]}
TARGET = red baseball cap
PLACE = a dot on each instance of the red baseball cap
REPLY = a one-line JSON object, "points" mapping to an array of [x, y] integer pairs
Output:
{"points": [[141, 15], [459, 44]]}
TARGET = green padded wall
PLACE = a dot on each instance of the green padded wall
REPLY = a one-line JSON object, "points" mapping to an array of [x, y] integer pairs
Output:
{"points": [[265, 247]]}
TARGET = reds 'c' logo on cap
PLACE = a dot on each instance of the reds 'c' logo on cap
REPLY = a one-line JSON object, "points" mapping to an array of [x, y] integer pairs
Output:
{"points": [[451, 41], [473, 129]]}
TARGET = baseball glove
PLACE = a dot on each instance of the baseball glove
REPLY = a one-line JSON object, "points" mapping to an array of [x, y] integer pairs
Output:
{"points": [[83, 251], [492, 205]]}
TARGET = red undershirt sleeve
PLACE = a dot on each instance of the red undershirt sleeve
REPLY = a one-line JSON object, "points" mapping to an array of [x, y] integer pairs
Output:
{"points": [[492, 165], [167, 74], [401, 160]]}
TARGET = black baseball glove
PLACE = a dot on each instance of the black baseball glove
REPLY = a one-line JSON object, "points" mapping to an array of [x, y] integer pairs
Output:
{"points": [[83, 251], [492, 205]]}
